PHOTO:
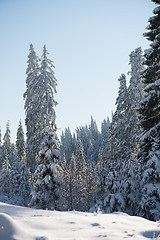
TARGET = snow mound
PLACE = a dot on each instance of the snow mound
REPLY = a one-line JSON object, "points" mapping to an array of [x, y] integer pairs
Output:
{"points": [[20, 223], [10, 230]]}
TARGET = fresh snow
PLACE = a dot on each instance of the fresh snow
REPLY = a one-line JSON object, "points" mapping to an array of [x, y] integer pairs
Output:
{"points": [[31, 224]]}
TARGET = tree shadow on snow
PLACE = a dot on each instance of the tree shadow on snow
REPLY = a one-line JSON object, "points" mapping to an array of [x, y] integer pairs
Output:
{"points": [[151, 234]]}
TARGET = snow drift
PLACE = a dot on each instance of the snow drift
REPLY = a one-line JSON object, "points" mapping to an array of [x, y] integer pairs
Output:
{"points": [[17, 223]]}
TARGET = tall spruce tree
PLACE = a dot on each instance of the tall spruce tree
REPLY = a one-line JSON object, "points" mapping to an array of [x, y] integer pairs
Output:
{"points": [[47, 88], [40, 103], [30, 107], [135, 95], [118, 133], [149, 111], [117, 153]]}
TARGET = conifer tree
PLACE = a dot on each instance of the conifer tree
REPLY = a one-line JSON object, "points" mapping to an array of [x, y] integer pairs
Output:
{"points": [[5, 173], [118, 134], [20, 142], [101, 176], [90, 185], [72, 182], [7, 143], [149, 111], [45, 101], [67, 145], [30, 107], [40, 103], [135, 95], [80, 176], [117, 153], [46, 179], [24, 186], [105, 133], [95, 139], [5, 177]]}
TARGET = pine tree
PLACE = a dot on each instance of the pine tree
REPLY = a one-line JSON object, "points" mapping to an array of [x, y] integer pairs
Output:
{"points": [[67, 145], [46, 179], [80, 177], [105, 133], [84, 134], [30, 107], [72, 182], [135, 95], [101, 176], [5, 177], [24, 186], [117, 152], [20, 142], [40, 103], [47, 88], [14, 172], [7, 143], [95, 139], [149, 111], [90, 185], [118, 136], [5, 173]]}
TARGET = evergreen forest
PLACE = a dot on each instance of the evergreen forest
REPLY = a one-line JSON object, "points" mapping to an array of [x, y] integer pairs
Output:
{"points": [[114, 169]]}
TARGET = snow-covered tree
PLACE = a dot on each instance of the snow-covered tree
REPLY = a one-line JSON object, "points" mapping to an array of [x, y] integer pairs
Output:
{"points": [[39, 101], [80, 176], [129, 187], [15, 177], [5, 172], [90, 185], [5, 177], [70, 184], [95, 139], [24, 186], [67, 145], [105, 133], [30, 107], [135, 95], [46, 84], [118, 136], [46, 179], [114, 200], [101, 176], [20, 142], [149, 111], [7, 143]]}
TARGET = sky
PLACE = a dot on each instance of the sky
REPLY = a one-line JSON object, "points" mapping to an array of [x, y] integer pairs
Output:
{"points": [[89, 42]]}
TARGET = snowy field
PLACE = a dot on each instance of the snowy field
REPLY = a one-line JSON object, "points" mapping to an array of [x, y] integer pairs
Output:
{"points": [[19, 223]]}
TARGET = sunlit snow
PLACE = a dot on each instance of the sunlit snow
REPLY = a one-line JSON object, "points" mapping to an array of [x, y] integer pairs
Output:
{"points": [[29, 224]]}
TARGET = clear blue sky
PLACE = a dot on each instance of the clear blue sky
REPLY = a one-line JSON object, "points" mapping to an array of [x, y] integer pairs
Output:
{"points": [[89, 42]]}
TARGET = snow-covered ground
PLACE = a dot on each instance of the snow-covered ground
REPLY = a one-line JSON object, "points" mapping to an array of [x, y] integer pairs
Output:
{"points": [[19, 223]]}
